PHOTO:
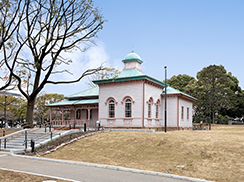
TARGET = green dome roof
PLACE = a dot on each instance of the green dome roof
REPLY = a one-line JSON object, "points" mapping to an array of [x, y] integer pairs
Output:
{"points": [[132, 57]]}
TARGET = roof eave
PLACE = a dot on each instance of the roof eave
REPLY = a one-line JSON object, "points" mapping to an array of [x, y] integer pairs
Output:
{"points": [[181, 95], [128, 60], [78, 97], [130, 78]]}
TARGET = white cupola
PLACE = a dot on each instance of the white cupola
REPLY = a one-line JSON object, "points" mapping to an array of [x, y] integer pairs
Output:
{"points": [[132, 61]]}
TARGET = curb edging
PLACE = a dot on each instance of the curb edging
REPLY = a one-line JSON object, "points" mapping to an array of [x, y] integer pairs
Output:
{"points": [[118, 168]]}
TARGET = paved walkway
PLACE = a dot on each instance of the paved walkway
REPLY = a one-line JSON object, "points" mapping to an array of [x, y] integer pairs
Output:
{"points": [[78, 172]]}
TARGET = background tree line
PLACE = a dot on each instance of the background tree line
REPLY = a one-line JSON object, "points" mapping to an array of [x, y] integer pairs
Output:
{"points": [[16, 108], [213, 85]]}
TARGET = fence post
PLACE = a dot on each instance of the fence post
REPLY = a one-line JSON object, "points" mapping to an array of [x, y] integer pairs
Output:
{"points": [[25, 139], [5, 143], [32, 145], [84, 127]]}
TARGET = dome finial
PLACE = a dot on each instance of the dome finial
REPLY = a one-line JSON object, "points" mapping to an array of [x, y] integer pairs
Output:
{"points": [[132, 57]]}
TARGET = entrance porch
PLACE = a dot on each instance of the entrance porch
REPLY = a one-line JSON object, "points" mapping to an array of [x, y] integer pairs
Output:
{"points": [[76, 114]]}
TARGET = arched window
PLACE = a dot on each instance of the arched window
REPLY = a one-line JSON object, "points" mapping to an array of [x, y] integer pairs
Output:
{"points": [[78, 114], [111, 109], [128, 108], [156, 114], [149, 108]]}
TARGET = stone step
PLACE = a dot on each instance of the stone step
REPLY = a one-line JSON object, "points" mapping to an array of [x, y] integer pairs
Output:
{"points": [[38, 135]]}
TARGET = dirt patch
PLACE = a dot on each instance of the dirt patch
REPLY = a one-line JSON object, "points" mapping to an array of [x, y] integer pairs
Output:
{"points": [[215, 155], [7, 131], [9, 176]]}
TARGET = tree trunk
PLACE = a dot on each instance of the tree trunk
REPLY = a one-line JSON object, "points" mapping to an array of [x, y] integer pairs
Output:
{"points": [[213, 117], [30, 111]]}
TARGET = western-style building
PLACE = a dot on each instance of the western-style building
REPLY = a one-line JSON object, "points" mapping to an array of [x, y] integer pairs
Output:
{"points": [[132, 99]]}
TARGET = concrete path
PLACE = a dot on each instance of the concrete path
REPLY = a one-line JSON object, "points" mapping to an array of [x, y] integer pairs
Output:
{"points": [[78, 172]]}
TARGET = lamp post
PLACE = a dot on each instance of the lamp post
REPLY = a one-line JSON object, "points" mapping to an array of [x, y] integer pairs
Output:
{"points": [[5, 110], [209, 110], [165, 115]]}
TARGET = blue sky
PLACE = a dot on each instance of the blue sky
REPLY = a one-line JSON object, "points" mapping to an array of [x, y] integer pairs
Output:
{"points": [[185, 35]]}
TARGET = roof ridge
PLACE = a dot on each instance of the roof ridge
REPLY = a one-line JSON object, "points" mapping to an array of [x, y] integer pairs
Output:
{"points": [[83, 91], [177, 91]]}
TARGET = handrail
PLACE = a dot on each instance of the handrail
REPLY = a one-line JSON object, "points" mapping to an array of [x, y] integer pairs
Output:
{"points": [[30, 131], [46, 134], [15, 133], [23, 132]]}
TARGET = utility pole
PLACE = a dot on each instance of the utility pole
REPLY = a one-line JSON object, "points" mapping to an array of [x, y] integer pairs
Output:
{"points": [[5, 109], [209, 110], [165, 88]]}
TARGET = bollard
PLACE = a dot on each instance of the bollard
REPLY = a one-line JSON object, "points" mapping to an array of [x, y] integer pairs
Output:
{"points": [[51, 136], [25, 139], [74, 125], [70, 126], [45, 129], [84, 127], [5, 143], [3, 133], [32, 145], [50, 128], [0, 144]]}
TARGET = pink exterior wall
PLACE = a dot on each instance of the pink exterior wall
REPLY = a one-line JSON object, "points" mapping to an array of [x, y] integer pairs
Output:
{"points": [[119, 91], [134, 90], [72, 114], [174, 104], [94, 117], [83, 114], [154, 93], [171, 110], [186, 104]]}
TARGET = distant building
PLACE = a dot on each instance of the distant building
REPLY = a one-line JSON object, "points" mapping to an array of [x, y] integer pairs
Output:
{"points": [[9, 93], [131, 100]]}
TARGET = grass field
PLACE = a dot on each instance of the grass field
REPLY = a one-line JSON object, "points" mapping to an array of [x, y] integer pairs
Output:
{"points": [[215, 155]]}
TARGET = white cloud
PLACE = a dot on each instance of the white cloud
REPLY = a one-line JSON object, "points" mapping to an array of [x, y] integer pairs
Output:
{"points": [[81, 61], [92, 58], [117, 64]]}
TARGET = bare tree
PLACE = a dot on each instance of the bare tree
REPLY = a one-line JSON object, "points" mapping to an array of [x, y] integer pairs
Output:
{"points": [[108, 72], [12, 14], [43, 33]]}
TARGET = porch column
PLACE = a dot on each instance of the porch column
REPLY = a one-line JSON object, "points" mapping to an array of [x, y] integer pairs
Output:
{"points": [[62, 116], [75, 115], [88, 117]]}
